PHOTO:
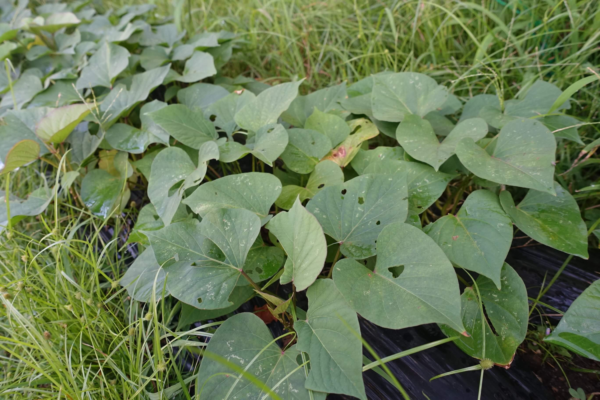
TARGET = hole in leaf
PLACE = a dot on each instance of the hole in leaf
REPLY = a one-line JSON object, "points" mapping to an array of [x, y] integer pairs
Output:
{"points": [[199, 300], [259, 270], [344, 191], [175, 187], [213, 118], [397, 271], [378, 223], [361, 200], [299, 359], [321, 186]]}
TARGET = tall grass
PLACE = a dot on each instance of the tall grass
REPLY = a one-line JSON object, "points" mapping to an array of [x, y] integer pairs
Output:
{"points": [[473, 46], [67, 329]]}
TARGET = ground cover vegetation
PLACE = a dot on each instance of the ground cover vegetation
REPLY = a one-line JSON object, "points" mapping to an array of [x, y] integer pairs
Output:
{"points": [[156, 176]]}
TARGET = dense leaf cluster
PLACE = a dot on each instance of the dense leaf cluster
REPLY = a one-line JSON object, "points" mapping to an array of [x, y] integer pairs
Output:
{"points": [[342, 193]]}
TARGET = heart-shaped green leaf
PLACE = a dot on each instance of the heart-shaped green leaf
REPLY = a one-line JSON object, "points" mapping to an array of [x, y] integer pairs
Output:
{"points": [[262, 262], [103, 192], [156, 133], [304, 150], [266, 108], [103, 67], [506, 310], [325, 100], [417, 138], [476, 104], [7, 32], [579, 328], [441, 125], [396, 95], [57, 21], [83, 143], [144, 277], [201, 65], [326, 173], [234, 243], [303, 240], [35, 204], [120, 100], [245, 341], [551, 220], [127, 138], [425, 185], [58, 95], [478, 237], [330, 336], [201, 95], [154, 57], [172, 173], [252, 191], [537, 101], [56, 126], [268, 143], [170, 167], [206, 258], [186, 125], [13, 131], [190, 314], [355, 212], [395, 295], [166, 34], [149, 220], [24, 90], [523, 156], [366, 157], [224, 110], [563, 127], [332, 126], [22, 153]]}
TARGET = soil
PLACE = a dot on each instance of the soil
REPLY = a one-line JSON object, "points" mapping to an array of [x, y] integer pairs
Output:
{"points": [[550, 375]]}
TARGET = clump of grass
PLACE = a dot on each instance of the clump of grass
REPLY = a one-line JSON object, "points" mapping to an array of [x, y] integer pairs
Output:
{"points": [[68, 330], [478, 45]]}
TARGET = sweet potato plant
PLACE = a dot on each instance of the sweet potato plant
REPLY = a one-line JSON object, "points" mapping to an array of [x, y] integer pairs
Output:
{"points": [[381, 199]]}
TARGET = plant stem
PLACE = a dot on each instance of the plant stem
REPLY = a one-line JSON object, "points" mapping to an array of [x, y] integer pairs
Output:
{"points": [[458, 371], [10, 83], [7, 201], [460, 192], [408, 352], [480, 384], [335, 260], [245, 275]]}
